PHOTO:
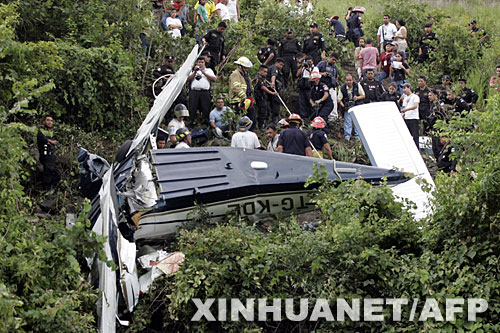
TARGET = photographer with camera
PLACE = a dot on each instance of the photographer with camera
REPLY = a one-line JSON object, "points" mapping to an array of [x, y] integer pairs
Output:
{"points": [[199, 94], [351, 93], [304, 74]]}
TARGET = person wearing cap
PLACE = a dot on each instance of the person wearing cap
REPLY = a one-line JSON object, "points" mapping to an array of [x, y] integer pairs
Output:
{"points": [[395, 50], [329, 76], [458, 104], [273, 137], [479, 33], [183, 138], [470, 96], [355, 25], [436, 112], [199, 81], [180, 113], [385, 33], [218, 118], [172, 24], [319, 97], [319, 139], [245, 138], [208, 61], [443, 87], [350, 94], [222, 11], [168, 69], [314, 44], [275, 79], [288, 48], [214, 42], [368, 57], [410, 111], [338, 28], [293, 140], [267, 54], [240, 87], [304, 75], [424, 47]]}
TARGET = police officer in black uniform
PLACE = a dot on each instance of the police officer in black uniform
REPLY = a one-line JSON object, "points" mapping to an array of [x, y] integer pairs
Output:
{"points": [[314, 44], [262, 91], [422, 92], [214, 41], [267, 54], [444, 162], [167, 69], [288, 49], [47, 150], [373, 88], [470, 96], [457, 102], [275, 78], [441, 89], [425, 47]]}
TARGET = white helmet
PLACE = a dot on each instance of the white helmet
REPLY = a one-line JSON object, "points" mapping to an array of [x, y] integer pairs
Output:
{"points": [[243, 61]]}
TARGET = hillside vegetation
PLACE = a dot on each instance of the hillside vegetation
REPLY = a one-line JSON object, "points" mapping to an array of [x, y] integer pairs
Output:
{"points": [[83, 63]]}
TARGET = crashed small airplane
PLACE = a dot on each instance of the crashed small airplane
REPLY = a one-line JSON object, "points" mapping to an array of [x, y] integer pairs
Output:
{"points": [[147, 193]]}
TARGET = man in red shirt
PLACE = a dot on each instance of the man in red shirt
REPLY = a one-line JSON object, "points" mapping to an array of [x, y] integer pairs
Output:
{"points": [[369, 56]]}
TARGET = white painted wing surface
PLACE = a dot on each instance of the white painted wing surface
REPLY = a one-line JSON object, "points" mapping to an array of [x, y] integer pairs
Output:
{"points": [[389, 144]]}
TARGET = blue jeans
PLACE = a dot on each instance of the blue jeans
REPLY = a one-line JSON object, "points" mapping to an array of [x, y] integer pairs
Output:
{"points": [[348, 125], [400, 86], [382, 75]]}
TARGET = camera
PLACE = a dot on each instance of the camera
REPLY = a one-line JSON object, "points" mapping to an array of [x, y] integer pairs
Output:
{"points": [[198, 75], [305, 64], [350, 104]]}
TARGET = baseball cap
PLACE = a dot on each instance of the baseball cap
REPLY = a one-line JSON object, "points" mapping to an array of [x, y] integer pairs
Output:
{"points": [[170, 58], [446, 77], [313, 25], [288, 30]]}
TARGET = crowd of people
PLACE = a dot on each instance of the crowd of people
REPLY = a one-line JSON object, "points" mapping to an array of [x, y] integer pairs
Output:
{"points": [[300, 64]]}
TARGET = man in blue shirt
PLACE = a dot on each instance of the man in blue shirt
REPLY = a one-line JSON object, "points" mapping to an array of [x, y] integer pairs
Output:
{"points": [[218, 118]]}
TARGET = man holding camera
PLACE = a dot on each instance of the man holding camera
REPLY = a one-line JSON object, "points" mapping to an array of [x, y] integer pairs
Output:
{"points": [[304, 74], [199, 94], [351, 94]]}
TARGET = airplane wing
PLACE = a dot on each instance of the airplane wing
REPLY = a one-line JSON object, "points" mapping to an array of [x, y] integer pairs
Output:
{"points": [[389, 144]]}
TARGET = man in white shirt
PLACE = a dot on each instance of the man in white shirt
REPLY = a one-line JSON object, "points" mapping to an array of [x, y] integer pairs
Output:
{"points": [[410, 111], [244, 138], [175, 124], [222, 11], [199, 94], [385, 33], [218, 118], [174, 25]]}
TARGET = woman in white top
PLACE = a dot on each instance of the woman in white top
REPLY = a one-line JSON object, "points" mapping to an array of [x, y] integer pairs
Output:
{"points": [[222, 11], [401, 34], [234, 10], [174, 25]]}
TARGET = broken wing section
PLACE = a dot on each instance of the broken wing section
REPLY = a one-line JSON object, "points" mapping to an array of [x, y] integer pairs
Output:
{"points": [[389, 145]]}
